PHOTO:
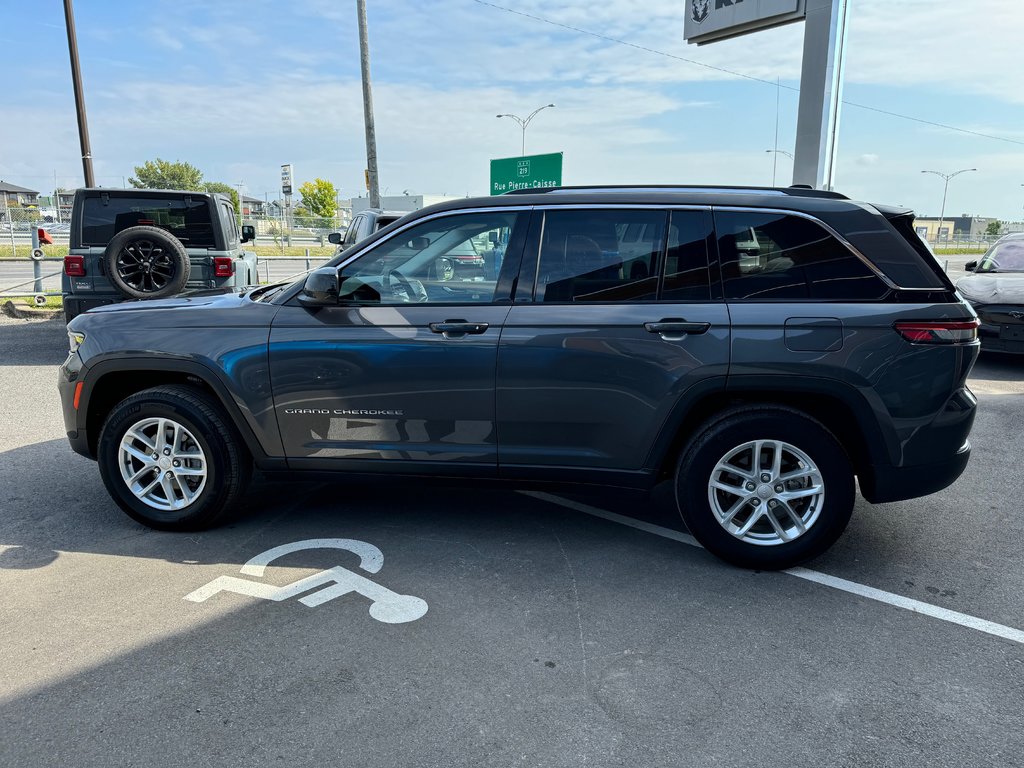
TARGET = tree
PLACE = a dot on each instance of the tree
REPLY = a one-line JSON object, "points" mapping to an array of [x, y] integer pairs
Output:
{"points": [[993, 228], [319, 197], [227, 189], [163, 174]]}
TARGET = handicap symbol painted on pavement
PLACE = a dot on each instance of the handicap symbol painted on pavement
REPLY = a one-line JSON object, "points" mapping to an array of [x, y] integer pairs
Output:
{"points": [[386, 606]]}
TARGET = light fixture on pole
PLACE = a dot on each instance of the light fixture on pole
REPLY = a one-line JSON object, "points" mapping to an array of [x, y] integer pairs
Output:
{"points": [[776, 153], [523, 123], [945, 189]]}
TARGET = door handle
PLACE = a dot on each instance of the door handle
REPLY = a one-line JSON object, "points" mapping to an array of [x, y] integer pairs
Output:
{"points": [[674, 329], [456, 328]]}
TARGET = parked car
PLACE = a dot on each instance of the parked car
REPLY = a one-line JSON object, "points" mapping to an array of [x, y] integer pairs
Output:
{"points": [[363, 224], [996, 291], [775, 347], [152, 244]]}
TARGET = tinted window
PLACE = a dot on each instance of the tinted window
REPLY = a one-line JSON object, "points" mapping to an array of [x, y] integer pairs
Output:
{"points": [[778, 256], [687, 277], [600, 256], [451, 259], [230, 224], [187, 220]]}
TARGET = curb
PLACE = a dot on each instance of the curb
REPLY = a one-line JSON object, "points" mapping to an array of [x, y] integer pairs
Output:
{"points": [[24, 312]]}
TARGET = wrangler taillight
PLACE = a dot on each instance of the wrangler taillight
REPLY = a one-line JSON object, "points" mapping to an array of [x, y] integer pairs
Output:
{"points": [[223, 266], [74, 266], [938, 331]]}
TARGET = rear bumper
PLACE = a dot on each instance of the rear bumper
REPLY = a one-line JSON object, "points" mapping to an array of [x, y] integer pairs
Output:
{"points": [[884, 484], [74, 305], [992, 341]]}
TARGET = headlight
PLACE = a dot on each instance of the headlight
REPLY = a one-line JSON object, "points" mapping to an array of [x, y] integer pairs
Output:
{"points": [[75, 340]]}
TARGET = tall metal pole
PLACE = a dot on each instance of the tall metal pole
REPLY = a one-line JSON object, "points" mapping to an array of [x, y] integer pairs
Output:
{"points": [[945, 189], [371, 136], [76, 79]]}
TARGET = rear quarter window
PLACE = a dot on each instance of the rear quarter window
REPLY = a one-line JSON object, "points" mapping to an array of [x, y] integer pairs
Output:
{"points": [[772, 256]]}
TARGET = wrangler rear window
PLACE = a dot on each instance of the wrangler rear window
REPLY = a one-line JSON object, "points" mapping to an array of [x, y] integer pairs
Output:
{"points": [[186, 219]]}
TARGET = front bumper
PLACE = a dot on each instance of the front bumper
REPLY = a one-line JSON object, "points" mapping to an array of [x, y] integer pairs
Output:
{"points": [[68, 379]]}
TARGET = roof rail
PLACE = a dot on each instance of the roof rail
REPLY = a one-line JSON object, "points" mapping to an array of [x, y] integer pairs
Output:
{"points": [[796, 190]]}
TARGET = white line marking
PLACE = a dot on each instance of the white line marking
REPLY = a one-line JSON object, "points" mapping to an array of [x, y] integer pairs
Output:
{"points": [[881, 596]]}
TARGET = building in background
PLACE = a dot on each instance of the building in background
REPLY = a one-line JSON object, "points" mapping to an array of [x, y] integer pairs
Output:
{"points": [[953, 227], [15, 195], [253, 206]]}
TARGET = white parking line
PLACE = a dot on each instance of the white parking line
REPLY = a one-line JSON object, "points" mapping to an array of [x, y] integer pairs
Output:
{"points": [[881, 596]]}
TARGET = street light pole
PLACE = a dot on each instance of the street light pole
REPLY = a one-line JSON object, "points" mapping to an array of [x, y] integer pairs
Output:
{"points": [[76, 81], [775, 156], [945, 189], [523, 123]]}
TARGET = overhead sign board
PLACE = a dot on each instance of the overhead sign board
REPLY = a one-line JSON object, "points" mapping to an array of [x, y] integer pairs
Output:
{"points": [[708, 21], [529, 172], [286, 179]]}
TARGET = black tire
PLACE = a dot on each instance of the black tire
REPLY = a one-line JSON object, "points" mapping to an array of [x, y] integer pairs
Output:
{"points": [[147, 262], [228, 463], [736, 428]]}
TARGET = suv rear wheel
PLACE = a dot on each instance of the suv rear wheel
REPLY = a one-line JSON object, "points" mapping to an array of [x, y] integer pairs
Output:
{"points": [[765, 487], [171, 459]]}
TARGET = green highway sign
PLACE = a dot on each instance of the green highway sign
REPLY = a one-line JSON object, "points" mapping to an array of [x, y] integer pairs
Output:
{"points": [[529, 172]]}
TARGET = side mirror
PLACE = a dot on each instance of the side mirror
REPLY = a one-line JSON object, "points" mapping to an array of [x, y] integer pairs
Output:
{"points": [[334, 238], [970, 266], [248, 233], [320, 288]]}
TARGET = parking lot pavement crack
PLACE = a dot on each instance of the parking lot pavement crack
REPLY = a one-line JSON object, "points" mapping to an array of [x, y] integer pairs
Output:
{"points": [[576, 605]]}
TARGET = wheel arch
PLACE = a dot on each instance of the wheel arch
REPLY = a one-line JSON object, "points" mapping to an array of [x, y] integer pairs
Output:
{"points": [[837, 406], [111, 381]]}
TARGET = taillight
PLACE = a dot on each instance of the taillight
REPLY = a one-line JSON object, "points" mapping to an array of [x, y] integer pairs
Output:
{"points": [[938, 331], [223, 266], [74, 266]]}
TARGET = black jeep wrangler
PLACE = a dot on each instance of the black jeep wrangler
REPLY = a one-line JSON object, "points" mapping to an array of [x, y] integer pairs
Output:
{"points": [[152, 244]]}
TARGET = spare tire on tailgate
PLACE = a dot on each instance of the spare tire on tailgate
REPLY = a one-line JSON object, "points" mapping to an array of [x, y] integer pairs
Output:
{"points": [[146, 262]]}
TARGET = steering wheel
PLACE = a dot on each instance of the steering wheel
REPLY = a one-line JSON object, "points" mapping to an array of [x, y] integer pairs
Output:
{"points": [[413, 289]]}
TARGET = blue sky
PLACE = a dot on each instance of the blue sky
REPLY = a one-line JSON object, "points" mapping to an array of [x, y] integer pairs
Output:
{"points": [[237, 88]]}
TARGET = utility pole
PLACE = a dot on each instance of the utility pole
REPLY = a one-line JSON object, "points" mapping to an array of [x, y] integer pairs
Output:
{"points": [[76, 80], [373, 182]]}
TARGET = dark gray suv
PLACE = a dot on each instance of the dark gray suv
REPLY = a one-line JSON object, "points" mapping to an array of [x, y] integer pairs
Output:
{"points": [[762, 349]]}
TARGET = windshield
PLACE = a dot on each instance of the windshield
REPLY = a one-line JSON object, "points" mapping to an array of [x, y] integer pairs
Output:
{"points": [[1004, 257]]}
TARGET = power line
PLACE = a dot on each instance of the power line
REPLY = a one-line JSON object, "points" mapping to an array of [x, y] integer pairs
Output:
{"points": [[742, 75]]}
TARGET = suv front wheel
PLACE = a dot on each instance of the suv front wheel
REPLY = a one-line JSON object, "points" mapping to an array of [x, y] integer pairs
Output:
{"points": [[171, 459], [765, 487]]}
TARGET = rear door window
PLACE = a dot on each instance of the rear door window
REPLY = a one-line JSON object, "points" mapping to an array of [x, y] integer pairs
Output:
{"points": [[767, 256], [188, 219], [600, 256]]}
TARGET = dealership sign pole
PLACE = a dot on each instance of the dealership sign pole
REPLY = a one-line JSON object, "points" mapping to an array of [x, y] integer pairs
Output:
{"points": [[821, 78]]}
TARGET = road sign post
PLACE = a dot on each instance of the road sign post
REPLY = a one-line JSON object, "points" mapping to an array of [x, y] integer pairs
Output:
{"points": [[531, 172]]}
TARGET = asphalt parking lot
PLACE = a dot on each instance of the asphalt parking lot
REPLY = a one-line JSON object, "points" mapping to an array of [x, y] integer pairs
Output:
{"points": [[552, 636]]}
